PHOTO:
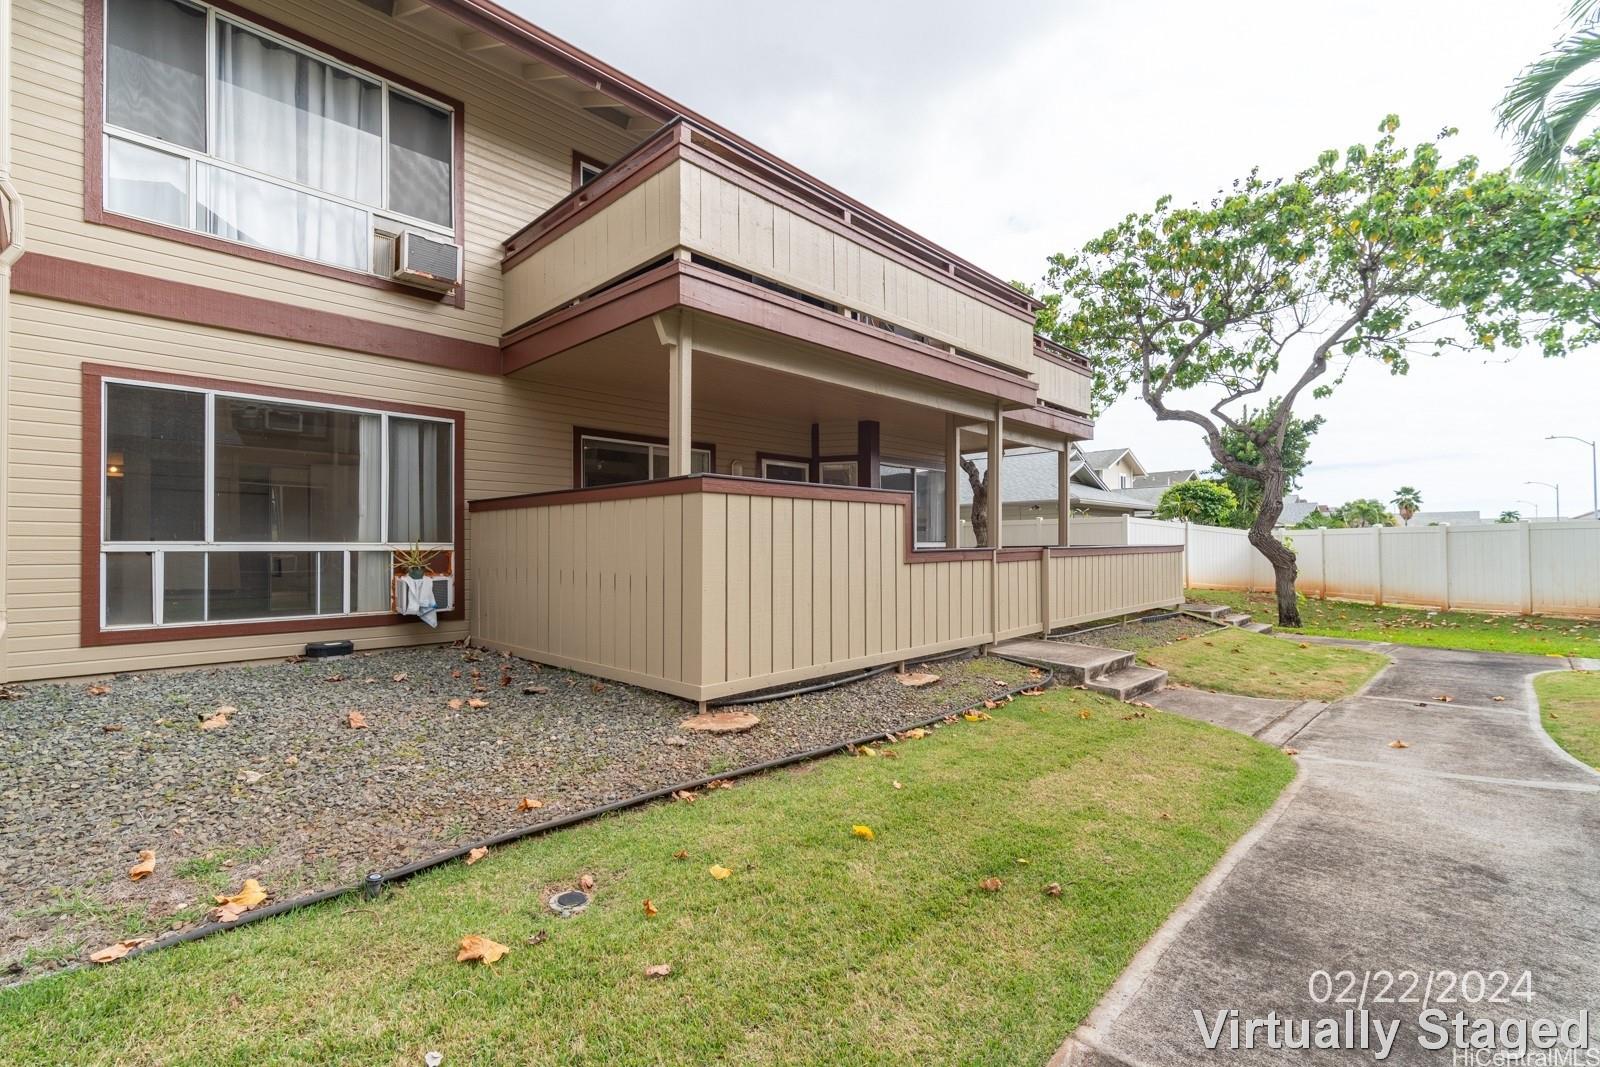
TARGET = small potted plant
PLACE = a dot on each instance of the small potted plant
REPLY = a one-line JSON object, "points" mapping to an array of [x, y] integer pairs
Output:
{"points": [[414, 559]]}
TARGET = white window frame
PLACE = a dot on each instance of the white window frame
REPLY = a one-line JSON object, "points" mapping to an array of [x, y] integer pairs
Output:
{"points": [[853, 466], [209, 545], [654, 449], [915, 469], [380, 220], [588, 172], [803, 466]]}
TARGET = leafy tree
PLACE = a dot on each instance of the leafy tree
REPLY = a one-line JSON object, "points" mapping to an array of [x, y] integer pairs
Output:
{"points": [[1554, 94], [1540, 259], [1365, 512], [1510, 516], [1242, 447], [1202, 503], [1407, 501], [1346, 260], [1321, 520]]}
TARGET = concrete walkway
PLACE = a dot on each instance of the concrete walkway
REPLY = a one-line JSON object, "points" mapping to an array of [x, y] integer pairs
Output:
{"points": [[1475, 848]]}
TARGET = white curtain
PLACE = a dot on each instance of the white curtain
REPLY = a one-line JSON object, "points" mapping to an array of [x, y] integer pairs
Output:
{"points": [[420, 481], [283, 113], [369, 494]]}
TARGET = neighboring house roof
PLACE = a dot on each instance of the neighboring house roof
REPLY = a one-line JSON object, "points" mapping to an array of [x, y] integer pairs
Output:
{"points": [[1445, 518], [1162, 479], [1100, 459], [1026, 477], [1295, 510], [1151, 494]]}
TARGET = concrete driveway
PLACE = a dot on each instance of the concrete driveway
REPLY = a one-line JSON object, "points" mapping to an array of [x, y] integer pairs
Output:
{"points": [[1474, 849]]}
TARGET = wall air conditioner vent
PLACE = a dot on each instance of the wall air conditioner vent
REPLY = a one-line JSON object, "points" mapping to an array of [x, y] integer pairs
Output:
{"points": [[427, 262]]}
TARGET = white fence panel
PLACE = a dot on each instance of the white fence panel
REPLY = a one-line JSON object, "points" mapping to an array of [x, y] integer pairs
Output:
{"points": [[1489, 567], [1565, 559], [1540, 567]]}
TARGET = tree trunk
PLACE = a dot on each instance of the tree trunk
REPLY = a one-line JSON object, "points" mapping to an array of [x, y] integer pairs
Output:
{"points": [[979, 480], [1284, 567]]}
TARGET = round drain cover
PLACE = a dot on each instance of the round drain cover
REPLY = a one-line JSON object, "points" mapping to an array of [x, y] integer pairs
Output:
{"points": [[569, 903]]}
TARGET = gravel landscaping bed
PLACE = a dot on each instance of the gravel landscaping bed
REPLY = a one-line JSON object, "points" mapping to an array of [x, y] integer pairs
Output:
{"points": [[1136, 636], [290, 793]]}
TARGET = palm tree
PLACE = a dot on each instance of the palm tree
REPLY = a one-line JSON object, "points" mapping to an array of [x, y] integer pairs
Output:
{"points": [[1510, 516], [1545, 107], [1407, 501]]}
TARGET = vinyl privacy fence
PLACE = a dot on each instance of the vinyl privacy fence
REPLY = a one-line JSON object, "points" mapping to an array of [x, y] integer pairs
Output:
{"points": [[1551, 567]]}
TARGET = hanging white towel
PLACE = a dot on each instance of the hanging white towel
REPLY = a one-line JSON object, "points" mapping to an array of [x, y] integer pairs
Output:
{"points": [[416, 598]]}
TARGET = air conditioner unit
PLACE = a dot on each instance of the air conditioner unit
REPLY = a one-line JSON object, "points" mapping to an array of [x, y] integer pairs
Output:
{"points": [[427, 262]]}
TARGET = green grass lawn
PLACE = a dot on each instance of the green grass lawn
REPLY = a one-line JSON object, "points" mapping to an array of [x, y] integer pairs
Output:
{"points": [[1569, 705], [1539, 635], [1237, 661], [820, 947]]}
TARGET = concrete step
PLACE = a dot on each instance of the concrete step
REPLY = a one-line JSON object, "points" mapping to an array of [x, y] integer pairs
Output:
{"points": [[1129, 683], [1205, 611], [1258, 627], [1235, 618], [1073, 664]]}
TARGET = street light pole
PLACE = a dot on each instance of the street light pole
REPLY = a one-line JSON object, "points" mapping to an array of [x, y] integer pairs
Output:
{"points": [[1594, 467], [1557, 488], [1534, 504]]}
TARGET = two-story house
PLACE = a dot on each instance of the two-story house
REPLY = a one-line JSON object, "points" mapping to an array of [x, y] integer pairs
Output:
{"points": [[290, 287]]}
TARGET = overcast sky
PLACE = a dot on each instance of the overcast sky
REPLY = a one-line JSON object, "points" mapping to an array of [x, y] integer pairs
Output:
{"points": [[1007, 132]]}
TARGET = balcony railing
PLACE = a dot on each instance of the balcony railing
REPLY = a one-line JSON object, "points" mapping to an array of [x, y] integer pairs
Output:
{"points": [[687, 192], [710, 586]]}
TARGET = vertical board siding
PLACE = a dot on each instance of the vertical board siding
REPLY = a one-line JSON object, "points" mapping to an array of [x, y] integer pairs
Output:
{"points": [[1084, 588], [731, 224]]}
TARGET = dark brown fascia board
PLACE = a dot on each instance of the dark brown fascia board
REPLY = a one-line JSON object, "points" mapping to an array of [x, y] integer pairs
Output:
{"points": [[691, 285], [92, 285], [1074, 426], [494, 20]]}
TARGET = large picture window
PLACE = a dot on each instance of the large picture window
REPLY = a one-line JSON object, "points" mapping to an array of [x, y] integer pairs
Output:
{"points": [[222, 506], [220, 127]]}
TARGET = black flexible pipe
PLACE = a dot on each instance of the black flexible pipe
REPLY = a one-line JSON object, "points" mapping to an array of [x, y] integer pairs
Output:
{"points": [[832, 683], [539, 829]]}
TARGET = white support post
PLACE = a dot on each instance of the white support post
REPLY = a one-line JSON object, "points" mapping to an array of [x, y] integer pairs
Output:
{"points": [[1377, 550], [11, 247], [997, 454], [680, 373], [1064, 494], [1527, 566], [952, 482]]}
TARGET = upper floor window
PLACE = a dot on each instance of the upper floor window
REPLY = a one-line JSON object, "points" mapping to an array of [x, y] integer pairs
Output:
{"points": [[220, 127], [615, 460]]}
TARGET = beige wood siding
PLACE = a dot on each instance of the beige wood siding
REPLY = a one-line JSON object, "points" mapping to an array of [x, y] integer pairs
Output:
{"points": [[1063, 386], [1017, 593], [765, 237], [639, 227], [1088, 587], [518, 440], [518, 145]]}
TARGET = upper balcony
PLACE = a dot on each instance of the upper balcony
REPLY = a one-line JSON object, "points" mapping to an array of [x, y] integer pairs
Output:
{"points": [[690, 194]]}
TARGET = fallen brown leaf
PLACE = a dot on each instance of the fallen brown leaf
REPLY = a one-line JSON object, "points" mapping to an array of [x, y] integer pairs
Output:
{"points": [[681, 854], [719, 783], [334, 678], [111, 727], [98, 690], [1291, 752], [914, 735], [477, 854], [1397, 743], [480, 948], [658, 970], [356, 720], [1034, 692], [650, 909], [1499, 700], [477, 702], [1305, 644], [897, 785], [1085, 713], [534, 690], [249, 895], [400, 676], [145, 867], [685, 796], [719, 872], [112, 953], [1053, 889], [990, 885], [539, 937], [978, 716], [455, 703], [1445, 699], [529, 804], [586, 883]]}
